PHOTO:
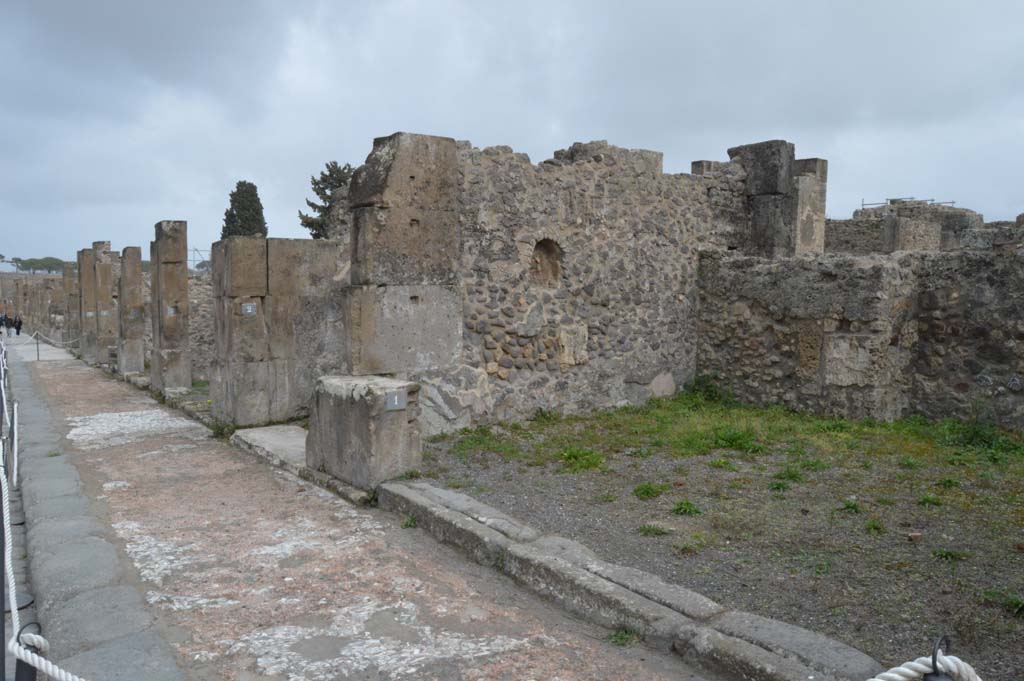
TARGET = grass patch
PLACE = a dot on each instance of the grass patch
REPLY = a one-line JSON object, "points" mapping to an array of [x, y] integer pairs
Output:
{"points": [[624, 636], [483, 440], [874, 526], [409, 522], [850, 506], [200, 384], [929, 500], [789, 474], [1009, 601], [951, 555], [685, 507], [579, 459], [650, 490], [650, 530]]}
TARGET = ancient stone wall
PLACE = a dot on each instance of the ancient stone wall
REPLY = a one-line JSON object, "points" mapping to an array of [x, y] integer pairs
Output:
{"points": [[170, 363], [906, 225], [201, 340], [970, 316], [830, 334]]}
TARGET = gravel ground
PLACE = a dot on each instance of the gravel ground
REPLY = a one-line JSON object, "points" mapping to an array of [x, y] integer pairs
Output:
{"points": [[881, 536]]}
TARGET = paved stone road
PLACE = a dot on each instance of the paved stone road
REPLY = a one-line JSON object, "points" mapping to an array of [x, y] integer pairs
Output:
{"points": [[249, 573]]}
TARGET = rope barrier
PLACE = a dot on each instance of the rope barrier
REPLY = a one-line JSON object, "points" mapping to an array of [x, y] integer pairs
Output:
{"points": [[949, 664], [55, 343], [25, 646]]}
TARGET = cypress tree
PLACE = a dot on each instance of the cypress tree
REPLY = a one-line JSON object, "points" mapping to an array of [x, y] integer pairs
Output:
{"points": [[332, 190], [244, 216]]}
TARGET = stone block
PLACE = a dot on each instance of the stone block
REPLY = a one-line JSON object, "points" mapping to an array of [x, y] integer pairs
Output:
{"points": [[407, 169], [402, 328], [241, 392], [405, 225], [131, 314], [87, 303], [704, 167], [240, 266], [809, 230], [174, 303], [364, 430], [817, 167], [172, 238], [771, 226], [246, 332], [769, 166], [855, 360]]}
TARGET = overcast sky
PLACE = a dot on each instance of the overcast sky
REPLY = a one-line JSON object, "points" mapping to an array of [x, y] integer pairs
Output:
{"points": [[114, 115]]}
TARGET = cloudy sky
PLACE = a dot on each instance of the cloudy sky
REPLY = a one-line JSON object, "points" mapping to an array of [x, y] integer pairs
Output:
{"points": [[116, 114]]}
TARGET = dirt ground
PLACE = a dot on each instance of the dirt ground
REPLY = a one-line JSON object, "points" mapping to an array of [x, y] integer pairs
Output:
{"points": [[882, 535]]}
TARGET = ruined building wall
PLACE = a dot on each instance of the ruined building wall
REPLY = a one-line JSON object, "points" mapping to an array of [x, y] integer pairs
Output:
{"points": [[906, 225], [577, 279], [970, 316], [201, 339], [830, 334]]}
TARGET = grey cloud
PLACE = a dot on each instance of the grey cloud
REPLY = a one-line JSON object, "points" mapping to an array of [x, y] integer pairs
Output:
{"points": [[118, 114]]}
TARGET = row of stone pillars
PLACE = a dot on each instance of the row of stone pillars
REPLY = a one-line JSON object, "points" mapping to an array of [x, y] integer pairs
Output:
{"points": [[106, 307]]}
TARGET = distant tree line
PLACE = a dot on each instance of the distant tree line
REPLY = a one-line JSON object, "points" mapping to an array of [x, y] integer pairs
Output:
{"points": [[33, 265]]}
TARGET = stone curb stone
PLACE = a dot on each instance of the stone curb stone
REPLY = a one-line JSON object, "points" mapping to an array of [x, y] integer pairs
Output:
{"points": [[738, 644], [810, 647], [72, 568], [680, 599], [485, 545], [593, 597], [738, 659]]}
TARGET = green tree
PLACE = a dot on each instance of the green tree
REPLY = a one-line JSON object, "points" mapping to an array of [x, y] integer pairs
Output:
{"points": [[332, 190], [244, 216]]}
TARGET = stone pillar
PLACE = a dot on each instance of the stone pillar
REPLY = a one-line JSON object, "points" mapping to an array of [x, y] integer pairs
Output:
{"points": [[69, 281], [240, 380], [364, 429], [786, 199], [810, 181], [170, 365], [404, 311], [106, 310], [87, 303], [131, 314]]}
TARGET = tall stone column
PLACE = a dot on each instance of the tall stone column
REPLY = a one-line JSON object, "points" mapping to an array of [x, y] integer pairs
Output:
{"points": [[170, 366], [87, 303], [106, 308], [69, 280], [131, 314]]}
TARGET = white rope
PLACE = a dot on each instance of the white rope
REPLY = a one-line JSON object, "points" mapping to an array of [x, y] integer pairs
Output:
{"points": [[949, 664], [55, 343]]}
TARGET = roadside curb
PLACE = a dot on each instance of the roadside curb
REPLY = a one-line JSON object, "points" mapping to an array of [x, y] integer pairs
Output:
{"points": [[737, 644]]}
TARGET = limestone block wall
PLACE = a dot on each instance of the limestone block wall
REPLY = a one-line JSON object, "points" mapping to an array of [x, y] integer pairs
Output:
{"points": [[970, 315], [105, 265], [829, 334], [278, 326]]}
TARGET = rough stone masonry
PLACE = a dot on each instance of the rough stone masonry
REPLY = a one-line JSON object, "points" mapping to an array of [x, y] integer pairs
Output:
{"points": [[594, 279]]}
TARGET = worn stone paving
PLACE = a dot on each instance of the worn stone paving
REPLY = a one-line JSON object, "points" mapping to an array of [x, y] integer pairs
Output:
{"points": [[251, 573]]}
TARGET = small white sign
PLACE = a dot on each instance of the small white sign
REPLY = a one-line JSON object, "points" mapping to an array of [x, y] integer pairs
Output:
{"points": [[395, 400], [248, 309], [172, 311]]}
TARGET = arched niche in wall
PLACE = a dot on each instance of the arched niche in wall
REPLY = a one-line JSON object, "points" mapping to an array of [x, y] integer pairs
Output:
{"points": [[546, 264]]}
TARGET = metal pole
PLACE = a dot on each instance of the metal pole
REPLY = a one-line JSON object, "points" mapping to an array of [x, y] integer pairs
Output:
{"points": [[37, 346]]}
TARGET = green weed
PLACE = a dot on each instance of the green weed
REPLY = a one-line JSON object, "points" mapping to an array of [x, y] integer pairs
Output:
{"points": [[650, 490]]}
